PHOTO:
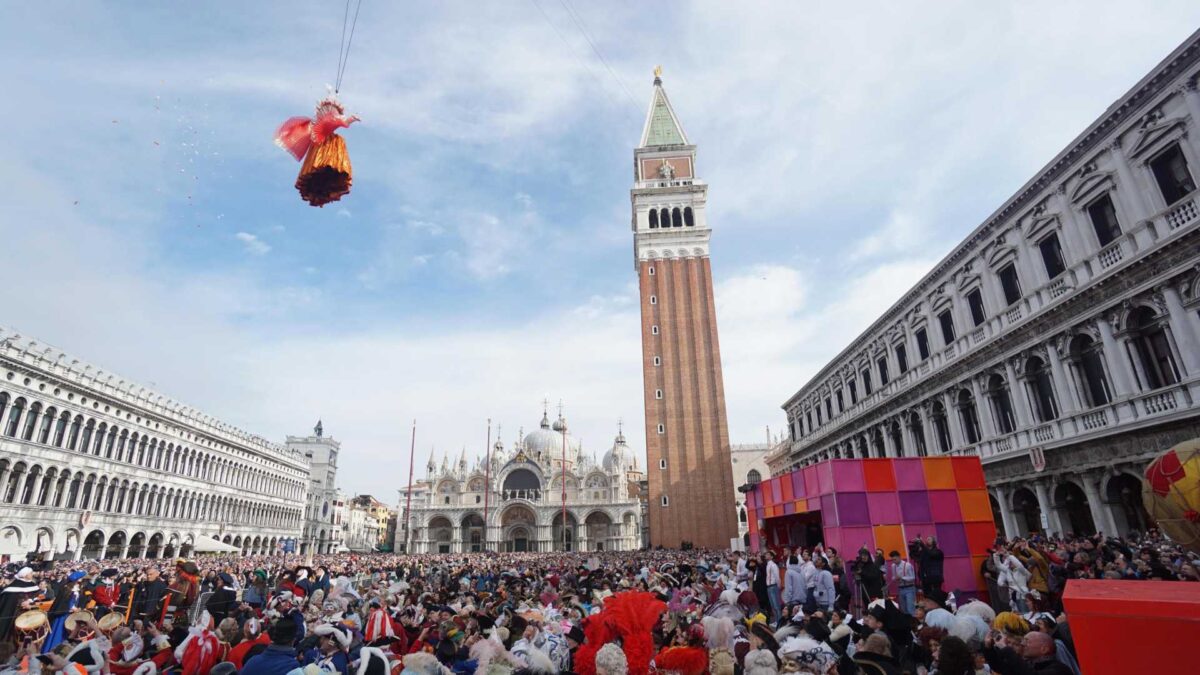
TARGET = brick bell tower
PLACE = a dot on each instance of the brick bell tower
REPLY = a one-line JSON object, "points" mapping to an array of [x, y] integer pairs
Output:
{"points": [[687, 437]]}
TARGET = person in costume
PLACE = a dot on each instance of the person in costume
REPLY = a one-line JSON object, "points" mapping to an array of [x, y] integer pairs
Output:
{"points": [[223, 601], [105, 593], [201, 649], [325, 174], [67, 595], [330, 652], [184, 588], [252, 634], [124, 656], [19, 596]]}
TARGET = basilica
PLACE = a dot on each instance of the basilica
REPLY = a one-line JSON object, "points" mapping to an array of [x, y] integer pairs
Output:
{"points": [[514, 499]]}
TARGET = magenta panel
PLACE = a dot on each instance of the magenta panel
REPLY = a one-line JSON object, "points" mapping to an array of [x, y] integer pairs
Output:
{"points": [[848, 476], [798, 490], [776, 491], [959, 573], [752, 499], [943, 504], [910, 475], [833, 538], [922, 530], [829, 514], [952, 539], [789, 508], [854, 538], [914, 507], [884, 508], [825, 477], [852, 509], [810, 482]]}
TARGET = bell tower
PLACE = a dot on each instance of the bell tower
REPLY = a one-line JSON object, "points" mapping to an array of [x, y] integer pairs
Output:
{"points": [[688, 468]]}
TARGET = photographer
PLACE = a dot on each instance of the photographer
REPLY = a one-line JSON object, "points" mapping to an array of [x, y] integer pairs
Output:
{"points": [[868, 574], [930, 560]]}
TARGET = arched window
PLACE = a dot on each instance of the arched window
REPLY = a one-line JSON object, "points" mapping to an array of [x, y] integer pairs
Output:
{"points": [[1002, 410], [1089, 371], [76, 426], [87, 436], [753, 477], [3, 403], [60, 431], [664, 217], [969, 416], [47, 425], [917, 429], [31, 420], [14, 417], [938, 415], [688, 219], [1155, 361], [1044, 404], [653, 219], [676, 218]]}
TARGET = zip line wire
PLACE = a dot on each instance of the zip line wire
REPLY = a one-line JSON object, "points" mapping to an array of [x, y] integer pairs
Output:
{"points": [[344, 48], [578, 20], [582, 62]]}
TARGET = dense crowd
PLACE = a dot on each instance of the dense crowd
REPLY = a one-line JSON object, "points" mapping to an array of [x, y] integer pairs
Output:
{"points": [[686, 612]]}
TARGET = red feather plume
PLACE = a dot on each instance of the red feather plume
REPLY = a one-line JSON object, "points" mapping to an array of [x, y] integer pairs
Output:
{"points": [[634, 614], [683, 660], [597, 632]]}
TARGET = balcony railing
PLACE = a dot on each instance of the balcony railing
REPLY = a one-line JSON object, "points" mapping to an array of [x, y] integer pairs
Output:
{"points": [[1183, 214]]}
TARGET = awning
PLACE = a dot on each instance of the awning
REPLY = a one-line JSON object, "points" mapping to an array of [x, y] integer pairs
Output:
{"points": [[209, 545]]}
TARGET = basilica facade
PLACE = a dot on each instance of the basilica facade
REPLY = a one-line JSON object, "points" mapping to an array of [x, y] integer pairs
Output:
{"points": [[514, 500]]}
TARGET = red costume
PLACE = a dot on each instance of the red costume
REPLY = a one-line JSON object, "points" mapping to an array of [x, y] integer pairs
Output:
{"points": [[238, 654], [325, 175]]}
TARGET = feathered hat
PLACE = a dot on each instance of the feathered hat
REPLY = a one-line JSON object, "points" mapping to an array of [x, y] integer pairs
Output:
{"points": [[87, 654]]}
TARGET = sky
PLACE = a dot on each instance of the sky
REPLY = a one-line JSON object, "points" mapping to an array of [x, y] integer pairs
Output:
{"points": [[483, 260]]}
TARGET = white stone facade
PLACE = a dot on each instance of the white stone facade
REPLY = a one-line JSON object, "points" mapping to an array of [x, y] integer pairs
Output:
{"points": [[92, 465], [523, 496], [1060, 342], [324, 524], [749, 462]]}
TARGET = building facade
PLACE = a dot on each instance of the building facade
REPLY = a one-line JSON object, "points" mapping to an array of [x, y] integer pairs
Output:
{"points": [[324, 520], [95, 466], [748, 461], [1060, 342], [516, 503], [687, 436], [380, 514], [362, 526]]}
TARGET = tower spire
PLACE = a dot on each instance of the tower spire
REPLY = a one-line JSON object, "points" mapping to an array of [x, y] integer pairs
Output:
{"points": [[662, 127]]}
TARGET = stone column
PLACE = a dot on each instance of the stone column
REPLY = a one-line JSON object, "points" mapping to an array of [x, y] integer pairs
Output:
{"points": [[1020, 400], [983, 410], [79, 550], [98, 496], [52, 491], [1133, 192], [142, 550], [889, 448], [1184, 330], [1050, 521], [1101, 515], [931, 442], [1064, 392], [1118, 360], [125, 549], [953, 421], [1004, 496], [1192, 97]]}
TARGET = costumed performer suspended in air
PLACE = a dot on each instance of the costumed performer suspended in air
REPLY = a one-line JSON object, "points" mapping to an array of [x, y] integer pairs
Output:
{"points": [[325, 174]]}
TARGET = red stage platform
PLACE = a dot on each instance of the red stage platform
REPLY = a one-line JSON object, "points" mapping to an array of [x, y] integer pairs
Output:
{"points": [[1133, 626]]}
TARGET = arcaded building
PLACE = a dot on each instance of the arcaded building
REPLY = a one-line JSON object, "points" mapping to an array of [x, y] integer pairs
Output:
{"points": [[1059, 341]]}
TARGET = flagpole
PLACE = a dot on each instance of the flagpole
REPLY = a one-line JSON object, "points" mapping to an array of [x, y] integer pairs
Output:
{"points": [[564, 477], [487, 482], [412, 450]]}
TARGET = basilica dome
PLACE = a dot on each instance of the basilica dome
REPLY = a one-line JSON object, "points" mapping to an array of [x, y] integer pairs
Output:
{"points": [[547, 442], [619, 456]]}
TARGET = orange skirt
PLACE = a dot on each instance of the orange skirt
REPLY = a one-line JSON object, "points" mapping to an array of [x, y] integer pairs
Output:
{"points": [[325, 175]]}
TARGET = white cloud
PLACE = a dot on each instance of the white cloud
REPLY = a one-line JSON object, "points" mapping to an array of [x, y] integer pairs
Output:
{"points": [[253, 244]]}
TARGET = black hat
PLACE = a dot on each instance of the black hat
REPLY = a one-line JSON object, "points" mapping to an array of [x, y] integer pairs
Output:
{"points": [[109, 573], [576, 634]]}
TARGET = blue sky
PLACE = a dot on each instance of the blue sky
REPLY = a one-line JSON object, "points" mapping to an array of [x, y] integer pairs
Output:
{"points": [[483, 260]]}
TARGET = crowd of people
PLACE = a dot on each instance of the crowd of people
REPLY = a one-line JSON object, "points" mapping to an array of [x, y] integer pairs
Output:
{"points": [[687, 612]]}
